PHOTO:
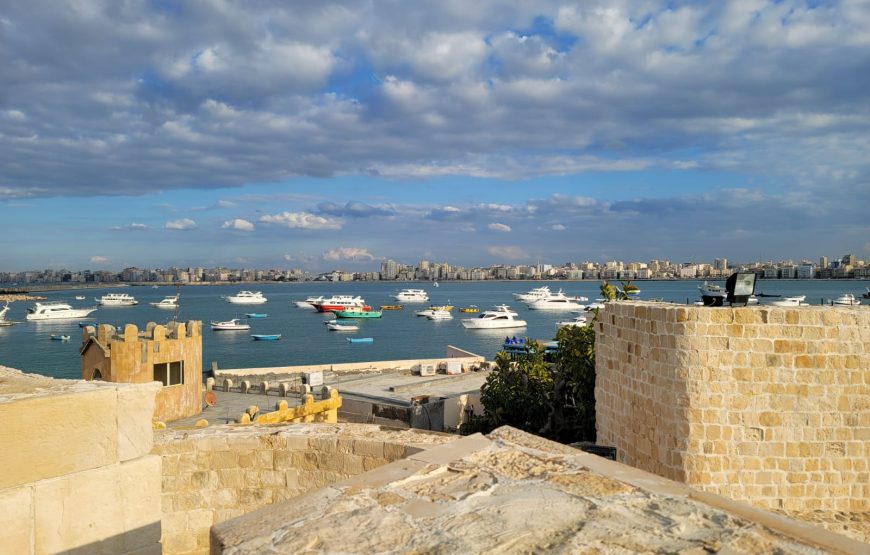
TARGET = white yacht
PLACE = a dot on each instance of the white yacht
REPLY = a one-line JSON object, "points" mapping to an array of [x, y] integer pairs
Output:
{"points": [[167, 302], [557, 301], [578, 321], [117, 299], [440, 314], [80, 297], [309, 302], [246, 297], [797, 300], [847, 299], [534, 294], [56, 311], [234, 324], [498, 318], [412, 296]]}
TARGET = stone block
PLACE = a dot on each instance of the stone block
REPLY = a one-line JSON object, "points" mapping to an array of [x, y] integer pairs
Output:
{"points": [[368, 448], [135, 412], [84, 423], [17, 531]]}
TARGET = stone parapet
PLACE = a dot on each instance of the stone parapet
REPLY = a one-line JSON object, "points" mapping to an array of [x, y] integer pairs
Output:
{"points": [[765, 404], [220, 472]]}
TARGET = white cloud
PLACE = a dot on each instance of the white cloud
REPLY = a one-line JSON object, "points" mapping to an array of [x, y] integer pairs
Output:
{"points": [[504, 228], [238, 224], [99, 259], [132, 226], [182, 224], [558, 227], [301, 220], [348, 253], [288, 258], [508, 252], [225, 204]]}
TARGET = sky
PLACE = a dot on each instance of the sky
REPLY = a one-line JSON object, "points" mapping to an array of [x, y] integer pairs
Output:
{"points": [[325, 135]]}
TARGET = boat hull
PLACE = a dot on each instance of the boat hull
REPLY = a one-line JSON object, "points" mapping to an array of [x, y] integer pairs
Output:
{"points": [[475, 324], [359, 314], [274, 337], [68, 315]]}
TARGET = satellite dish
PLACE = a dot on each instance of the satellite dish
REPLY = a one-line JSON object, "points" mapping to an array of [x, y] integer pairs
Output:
{"points": [[210, 398]]}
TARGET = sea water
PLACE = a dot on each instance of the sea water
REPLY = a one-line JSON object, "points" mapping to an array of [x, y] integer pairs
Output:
{"points": [[397, 335]]}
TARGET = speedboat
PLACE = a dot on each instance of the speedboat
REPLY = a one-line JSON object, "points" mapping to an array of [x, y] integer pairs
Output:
{"points": [[256, 315], [426, 312], [360, 339], [59, 337], [358, 313], [847, 299], [266, 337], [234, 324], [797, 300], [56, 311], [412, 296], [533, 295], [440, 315], [80, 297], [337, 303], [309, 302], [500, 317], [578, 321], [556, 301], [246, 297], [167, 302], [117, 299], [333, 325]]}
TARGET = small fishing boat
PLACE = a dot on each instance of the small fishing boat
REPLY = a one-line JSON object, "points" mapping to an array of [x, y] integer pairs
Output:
{"points": [[234, 324], [357, 313], [440, 315], [266, 337], [58, 337], [333, 325], [391, 307], [80, 297], [469, 309], [360, 339], [256, 315]]}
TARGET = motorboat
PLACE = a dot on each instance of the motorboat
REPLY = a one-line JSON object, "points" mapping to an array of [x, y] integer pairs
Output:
{"points": [[556, 301], [59, 337], [333, 325], [117, 299], [712, 294], [309, 302], [597, 305], [412, 296], [391, 307], [80, 297], [631, 289], [358, 313], [360, 339], [440, 315], [230, 325], [500, 317], [337, 303], [246, 297], [266, 337], [847, 299], [579, 321], [56, 311], [167, 302], [469, 309], [426, 312], [256, 315], [533, 294], [797, 300]]}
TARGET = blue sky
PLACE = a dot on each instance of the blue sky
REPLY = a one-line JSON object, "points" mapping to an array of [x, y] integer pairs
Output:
{"points": [[337, 134]]}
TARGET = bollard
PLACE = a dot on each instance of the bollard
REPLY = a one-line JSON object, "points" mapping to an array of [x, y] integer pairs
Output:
{"points": [[228, 384], [281, 405], [264, 388], [284, 389], [324, 392], [245, 386], [209, 384]]}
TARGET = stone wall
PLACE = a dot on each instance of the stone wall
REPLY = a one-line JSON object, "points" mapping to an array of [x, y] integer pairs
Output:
{"points": [[77, 475], [214, 474], [765, 404]]}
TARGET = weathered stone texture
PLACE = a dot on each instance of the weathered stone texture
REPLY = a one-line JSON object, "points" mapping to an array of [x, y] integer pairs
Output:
{"points": [[765, 404], [214, 474]]}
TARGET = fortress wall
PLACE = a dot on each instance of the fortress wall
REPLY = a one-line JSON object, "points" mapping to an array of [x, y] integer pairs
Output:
{"points": [[214, 474], [764, 404], [77, 474]]}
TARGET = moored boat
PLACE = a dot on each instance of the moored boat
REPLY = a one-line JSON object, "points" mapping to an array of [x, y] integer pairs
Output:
{"points": [[80, 297], [333, 325], [309, 302], [337, 303], [246, 297], [797, 300], [231, 325], [117, 299], [59, 337], [498, 318], [266, 336], [440, 315], [3, 320], [426, 312], [847, 299], [256, 315], [358, 313], [556, 301], [469, 309], [391, 307], [866, 294], [56, 311], [576, 322], [360, 339], [533, 294], [167, 302], [412, 296]]}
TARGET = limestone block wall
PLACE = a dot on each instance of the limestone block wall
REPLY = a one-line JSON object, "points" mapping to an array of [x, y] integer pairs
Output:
{"points": [[765, 404], [211, 475], [77, 475]]}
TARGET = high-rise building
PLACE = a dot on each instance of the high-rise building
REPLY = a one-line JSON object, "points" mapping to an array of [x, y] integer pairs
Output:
{"points": [[721, 264], [823, 262], [389, 269]]}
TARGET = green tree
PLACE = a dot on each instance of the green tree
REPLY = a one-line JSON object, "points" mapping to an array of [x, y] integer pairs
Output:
{"points": [[518, 392], [572, 416]]}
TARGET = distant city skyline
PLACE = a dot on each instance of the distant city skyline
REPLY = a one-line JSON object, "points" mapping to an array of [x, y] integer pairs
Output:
{"points": [[332, 135]]}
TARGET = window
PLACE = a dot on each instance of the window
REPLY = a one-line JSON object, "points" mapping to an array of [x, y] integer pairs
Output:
{"points": [[169, 373]]}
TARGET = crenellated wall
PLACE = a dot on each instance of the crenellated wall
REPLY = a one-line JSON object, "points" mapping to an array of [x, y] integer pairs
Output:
{"points": [[765, 404]]}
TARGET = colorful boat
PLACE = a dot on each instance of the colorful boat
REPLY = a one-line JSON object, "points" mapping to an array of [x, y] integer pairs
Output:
{"points": [[360, 339], [471, 308], [391, 307], [256, 315], [357, 313], [266, 337]]}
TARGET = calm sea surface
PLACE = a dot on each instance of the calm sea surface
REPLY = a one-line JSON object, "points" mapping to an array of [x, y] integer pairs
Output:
{"points": [[398, 335]]}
